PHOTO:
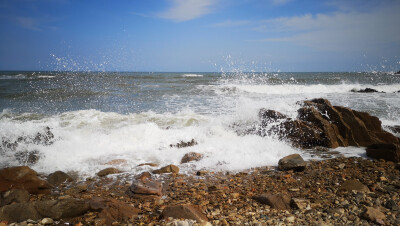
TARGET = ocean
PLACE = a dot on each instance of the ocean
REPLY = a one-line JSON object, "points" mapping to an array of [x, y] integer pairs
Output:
{"points": [[97, 117]]}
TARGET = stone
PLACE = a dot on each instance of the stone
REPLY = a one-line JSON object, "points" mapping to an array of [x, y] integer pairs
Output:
{"points": [[108, 171], [269, 116], [117, 162], [23, 177], [117, 211], [354, 185], [14, 195], [144, 176], [58, 209], [149, 164], [58, 178], [366, 90], [184, 212], [374, 215], [276, 201], [191, 156], [183, 144], [388, 152], [300, 204], [19, 212], [292, 162], [167, 169], [394, 129], [46, 221], [145, 188]]}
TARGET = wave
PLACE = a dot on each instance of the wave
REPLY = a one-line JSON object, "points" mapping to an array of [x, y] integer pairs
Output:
{"points": [[307, 89], [192, 75]]}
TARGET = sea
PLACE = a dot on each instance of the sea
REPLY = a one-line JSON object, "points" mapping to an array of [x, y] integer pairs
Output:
{"points": [[139, 117]]}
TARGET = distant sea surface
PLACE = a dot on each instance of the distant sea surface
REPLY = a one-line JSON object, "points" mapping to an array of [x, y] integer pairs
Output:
{"points": [[101, 116]]}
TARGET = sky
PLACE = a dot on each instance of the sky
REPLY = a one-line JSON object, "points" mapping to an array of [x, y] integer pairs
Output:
{"points": [[200, 35]]}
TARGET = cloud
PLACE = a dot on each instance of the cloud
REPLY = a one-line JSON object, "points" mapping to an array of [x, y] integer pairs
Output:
{"points": [[184, 10], [231, 23], [341, 30], [29, 23]]}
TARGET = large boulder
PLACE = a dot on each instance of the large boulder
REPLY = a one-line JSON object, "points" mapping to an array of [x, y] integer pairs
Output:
{"points": [[388, 152], [23, 177], [292, 162], [321, 124]]}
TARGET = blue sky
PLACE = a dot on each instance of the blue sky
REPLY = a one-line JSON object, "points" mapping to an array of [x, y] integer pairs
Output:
{"points": [[200, 35]]}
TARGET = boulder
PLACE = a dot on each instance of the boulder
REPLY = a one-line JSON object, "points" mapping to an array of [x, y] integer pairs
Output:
{"points": [[184, 212], [119, 211], [147, 187], [58, 178], [292, 162], [14, 196], [167, 169], [354, 185], [276, 201], [108, 171], [388, 152], [23, 177], [366, 90], [191, 156], [269, 116], [19, 212]]}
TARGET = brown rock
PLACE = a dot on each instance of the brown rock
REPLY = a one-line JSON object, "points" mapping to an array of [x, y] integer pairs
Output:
{"points": [[167, 169], [14, 195], [299, 203], [149, 164], [350, 185], [388, 152], [108, 171], [374, 215], [117, 162], [144, 176], [23, 177], [117, 211], [145, 188], [191, 156], [58, 209], [278, 201], [292, 162], [58, 178], [19, 212], [268, 116], [184, 212]]}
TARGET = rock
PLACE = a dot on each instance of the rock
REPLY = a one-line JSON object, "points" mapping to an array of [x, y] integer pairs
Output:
{"points": [[119, 211], [292, 162], [300, 204], [167, 169], [183, 144], [278, 201], [58, 209], [149, 164], [191, 156], [269, 116], [184, 212], [374, 215], [366, 90], [354, 185], [19, 212], [108, 171], [144, 176], [27, 157], [58, 178], [23, 177], [14, 195], [388, 152], [394, 129], [46, 221], [117, 162], [145, 188]]}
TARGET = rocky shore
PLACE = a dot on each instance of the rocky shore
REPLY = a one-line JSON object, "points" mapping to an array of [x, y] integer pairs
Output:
{"points": [[336, 191]]}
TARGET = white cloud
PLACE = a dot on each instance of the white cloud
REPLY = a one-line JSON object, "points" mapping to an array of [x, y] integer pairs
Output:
{"points": [[342, 30], [183, 10]]}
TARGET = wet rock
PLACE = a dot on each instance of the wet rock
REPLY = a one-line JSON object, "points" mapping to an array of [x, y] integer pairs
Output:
{"points": [[58, 178], [394, 129], [19, 212], [167, 169], [14, 195], [184, 212], [149, 164], [191, 156], [27, 157], [276, 201], [119, 211], [145, 188], [388, 152], [269, 116], [374, 215], [292, 162], [144, 176], [58, 209], [117, 162], [108, 171], [23, 177], [354, 185], [366, 90], [184, 144]]}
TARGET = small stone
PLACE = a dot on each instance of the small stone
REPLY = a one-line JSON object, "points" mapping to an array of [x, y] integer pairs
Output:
{"points": [[167, 169], [292, 162], [299, 203], [107, 171], [191, 156], [374, 215], [145, 188], [235, 195], [355, 185], [47, 221], [290, 219]]}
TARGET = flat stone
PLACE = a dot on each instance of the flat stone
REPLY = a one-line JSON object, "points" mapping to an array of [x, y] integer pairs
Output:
{"points": [[167, 169], [184, 212], [292, 162], [145, 188], [354, 185], [278, 201], [108, 171]]}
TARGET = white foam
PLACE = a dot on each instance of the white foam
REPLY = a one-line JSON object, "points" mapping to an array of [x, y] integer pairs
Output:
{"points": [[192, 75]]}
